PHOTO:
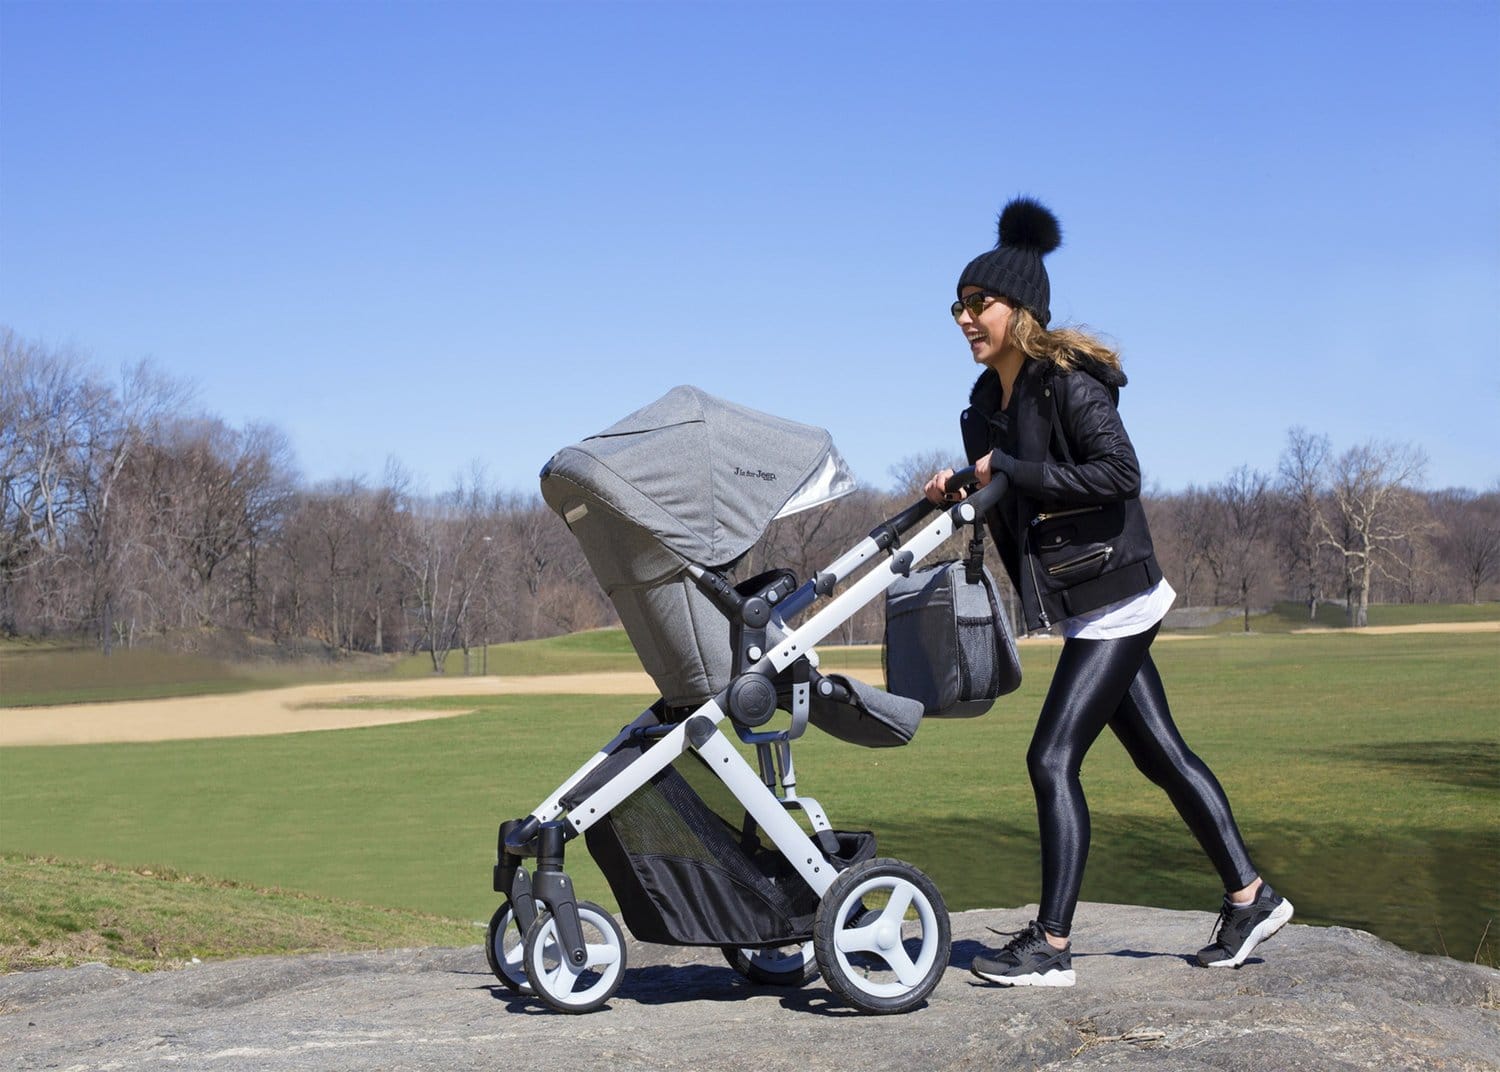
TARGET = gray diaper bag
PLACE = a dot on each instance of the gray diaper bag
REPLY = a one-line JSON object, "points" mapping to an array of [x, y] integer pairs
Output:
{"points": [[948, 642]]}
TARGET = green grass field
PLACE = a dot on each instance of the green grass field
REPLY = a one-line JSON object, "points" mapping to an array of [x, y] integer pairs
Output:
{"points": [[47, 674], [597, 650], [1285, 617], [59, 676], [64, 912], [42, 675], [1364, 770]]}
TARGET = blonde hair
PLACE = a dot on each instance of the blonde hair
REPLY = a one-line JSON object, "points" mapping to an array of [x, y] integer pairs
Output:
{"points": [[1060, 346]]}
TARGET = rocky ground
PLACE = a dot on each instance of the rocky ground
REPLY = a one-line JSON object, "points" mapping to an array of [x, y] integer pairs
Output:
{"points": [[1324, 999]]}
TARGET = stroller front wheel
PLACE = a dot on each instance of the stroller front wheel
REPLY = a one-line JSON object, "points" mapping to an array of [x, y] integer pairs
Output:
{"points": [[503, 947], [787, 965], [882, 936], [575, 988]]}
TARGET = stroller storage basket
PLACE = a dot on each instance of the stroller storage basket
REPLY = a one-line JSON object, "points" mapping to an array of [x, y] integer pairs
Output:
{"points": [[689, 873]]}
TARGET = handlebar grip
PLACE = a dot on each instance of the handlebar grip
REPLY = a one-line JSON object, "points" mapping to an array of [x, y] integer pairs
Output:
{"points": [[986, 497], [960, 479], [888, 533]]}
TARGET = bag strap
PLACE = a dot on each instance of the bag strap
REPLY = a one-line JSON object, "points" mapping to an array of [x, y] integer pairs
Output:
{"points": [[974, 560]]}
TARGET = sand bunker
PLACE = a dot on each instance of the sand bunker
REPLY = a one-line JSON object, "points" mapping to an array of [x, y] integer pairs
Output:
{"points": [[1425, 627], [304, 708], [290, 710]]}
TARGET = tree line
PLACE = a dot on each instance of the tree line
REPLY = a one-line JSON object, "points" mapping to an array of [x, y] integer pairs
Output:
{"points": [[127, 519]]}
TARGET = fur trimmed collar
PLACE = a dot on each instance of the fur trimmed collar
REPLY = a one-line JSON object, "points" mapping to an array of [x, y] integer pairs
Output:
{"points": [[986, 391]]}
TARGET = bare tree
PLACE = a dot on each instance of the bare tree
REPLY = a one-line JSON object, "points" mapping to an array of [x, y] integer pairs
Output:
{"points": [[46, 397], [319, 546], [380, 582], [218, 492], [912, 472], [540, 553], [810, 539], [23, 446], [112, 427], [446, 555], [1371, 486], [1302, 471], [1242, 504], [1186, 539], [1470, 536]]}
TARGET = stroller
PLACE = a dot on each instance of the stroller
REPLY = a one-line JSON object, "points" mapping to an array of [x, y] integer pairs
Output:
{"points": [[699, 847]]}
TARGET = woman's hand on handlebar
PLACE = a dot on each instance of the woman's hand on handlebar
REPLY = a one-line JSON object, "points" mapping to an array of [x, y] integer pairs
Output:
{"points": [[935, 489]]}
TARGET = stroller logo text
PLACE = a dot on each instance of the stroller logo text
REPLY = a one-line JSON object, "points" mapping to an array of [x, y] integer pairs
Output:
{"points": [[758, 473]]}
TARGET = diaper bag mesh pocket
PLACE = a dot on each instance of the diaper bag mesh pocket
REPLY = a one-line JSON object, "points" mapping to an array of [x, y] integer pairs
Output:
{"points": [[947, 641]]}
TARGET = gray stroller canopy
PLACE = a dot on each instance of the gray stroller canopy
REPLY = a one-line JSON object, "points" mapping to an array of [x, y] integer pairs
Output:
{"points": [[688, 478], [704, 476]]}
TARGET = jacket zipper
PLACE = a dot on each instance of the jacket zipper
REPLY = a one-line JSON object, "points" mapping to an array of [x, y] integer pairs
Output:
{"points": [[1064, 513], [1081, 560], [1041, 608]]}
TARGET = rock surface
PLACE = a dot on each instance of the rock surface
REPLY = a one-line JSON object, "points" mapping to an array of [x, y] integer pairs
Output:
{"points": [[1313, 998]]}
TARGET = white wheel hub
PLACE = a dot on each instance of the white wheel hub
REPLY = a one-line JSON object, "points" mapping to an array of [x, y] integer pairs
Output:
{"points": [[881, 935], [576, 987]]}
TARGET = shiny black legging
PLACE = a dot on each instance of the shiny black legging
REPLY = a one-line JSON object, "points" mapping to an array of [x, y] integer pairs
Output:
{"points": [[1115, 683]]}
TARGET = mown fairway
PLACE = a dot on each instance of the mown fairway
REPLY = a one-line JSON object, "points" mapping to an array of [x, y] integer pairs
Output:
{"points": [[1364, 770], [45, 675]]}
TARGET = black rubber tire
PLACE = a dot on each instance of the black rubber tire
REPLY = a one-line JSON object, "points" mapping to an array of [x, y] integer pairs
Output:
{"points": [[509, 969], [857, 901], [541, 939], [758, 969]]}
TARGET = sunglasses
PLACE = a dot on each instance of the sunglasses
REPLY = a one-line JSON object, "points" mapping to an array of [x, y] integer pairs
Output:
{"points": [[974, 304]]}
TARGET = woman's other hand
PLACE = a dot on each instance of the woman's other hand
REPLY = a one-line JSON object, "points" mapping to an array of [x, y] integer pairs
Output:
{"points": [[935, 489]]}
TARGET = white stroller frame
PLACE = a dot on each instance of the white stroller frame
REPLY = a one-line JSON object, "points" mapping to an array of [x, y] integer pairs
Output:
{"points": [[537, 941]]}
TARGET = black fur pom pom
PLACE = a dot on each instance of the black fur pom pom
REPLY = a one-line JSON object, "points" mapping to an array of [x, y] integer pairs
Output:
{"points": [[1030, 225]]}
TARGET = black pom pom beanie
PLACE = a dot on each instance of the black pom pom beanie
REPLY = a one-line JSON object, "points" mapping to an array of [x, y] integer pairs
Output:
{"points": [[1013, 269]]}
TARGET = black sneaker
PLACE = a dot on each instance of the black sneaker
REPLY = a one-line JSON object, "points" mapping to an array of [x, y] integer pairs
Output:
{"points": [[1241, 928], [1027, 960]]}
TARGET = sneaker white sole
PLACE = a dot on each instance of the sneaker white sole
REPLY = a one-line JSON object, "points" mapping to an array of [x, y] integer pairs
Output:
{"points": [[1268, 926], [1051, 978]]}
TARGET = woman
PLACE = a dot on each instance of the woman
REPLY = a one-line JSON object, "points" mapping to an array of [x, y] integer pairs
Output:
{"points": [[1073, 537]]}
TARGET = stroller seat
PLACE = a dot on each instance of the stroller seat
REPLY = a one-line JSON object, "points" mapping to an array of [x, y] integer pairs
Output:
{"points": [[648, 496]]}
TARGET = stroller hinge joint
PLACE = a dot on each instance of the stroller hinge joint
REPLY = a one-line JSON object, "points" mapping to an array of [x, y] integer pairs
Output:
{"points": [[700, 730]]}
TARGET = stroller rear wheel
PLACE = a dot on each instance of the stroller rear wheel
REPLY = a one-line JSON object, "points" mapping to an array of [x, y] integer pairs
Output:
{"points": [[564, 986], [503, 947], [882, 936], [786, 965]]}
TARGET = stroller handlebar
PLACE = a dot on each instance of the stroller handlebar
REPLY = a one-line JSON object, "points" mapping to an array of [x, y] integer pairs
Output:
{"points": [[889, 533], [981, 499], [960, 479]]}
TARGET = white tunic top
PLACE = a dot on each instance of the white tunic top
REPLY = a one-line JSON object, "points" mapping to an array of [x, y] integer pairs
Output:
{"points": [[1128, 617]]}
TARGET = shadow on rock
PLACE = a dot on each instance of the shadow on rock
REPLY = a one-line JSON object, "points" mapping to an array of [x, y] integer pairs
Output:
{"points": [[667, 984]]}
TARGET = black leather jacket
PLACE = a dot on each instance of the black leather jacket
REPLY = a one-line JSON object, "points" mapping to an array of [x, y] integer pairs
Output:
{"points": [[1071, 531]]}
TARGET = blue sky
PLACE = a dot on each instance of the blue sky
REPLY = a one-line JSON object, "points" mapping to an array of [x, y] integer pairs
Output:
{"points": [[455, 233]]}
